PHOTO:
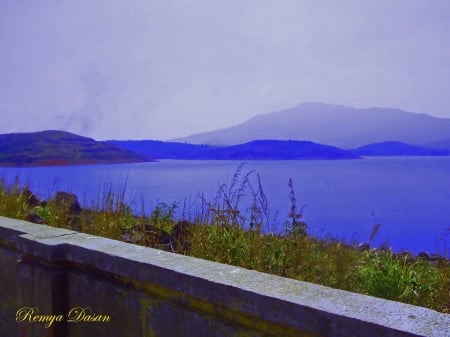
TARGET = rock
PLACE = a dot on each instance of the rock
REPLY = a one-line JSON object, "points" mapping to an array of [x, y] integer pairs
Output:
{"points": [[33, 217], [436, 257], [134, 237], [362, 247], [424, 256], [31, 200], [64, 200], [432, 259], [182, 234], [178, 241], [182, 230], [163, 239], [405, 256], [375, 251]]}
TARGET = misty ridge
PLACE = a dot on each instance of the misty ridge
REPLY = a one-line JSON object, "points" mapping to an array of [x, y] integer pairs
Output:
{"points": [[308, 131], [311, 131], [335, 125]]}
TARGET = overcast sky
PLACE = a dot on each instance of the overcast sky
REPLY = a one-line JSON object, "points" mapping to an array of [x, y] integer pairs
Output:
{"points": [[147, 69]]}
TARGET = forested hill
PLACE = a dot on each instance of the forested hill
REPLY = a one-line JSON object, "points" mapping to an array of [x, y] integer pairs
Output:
{"points": [[393, 148], [254, 150], [60, 148]]}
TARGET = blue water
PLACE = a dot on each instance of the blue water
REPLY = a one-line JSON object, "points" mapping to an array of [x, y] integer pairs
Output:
{"points": [[408, 196]]}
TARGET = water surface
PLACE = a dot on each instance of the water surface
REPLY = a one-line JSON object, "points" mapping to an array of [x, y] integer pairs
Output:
{"points": [[408, 196]]}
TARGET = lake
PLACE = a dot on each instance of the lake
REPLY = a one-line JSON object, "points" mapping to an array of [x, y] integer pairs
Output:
{"points": [[408, 196]]}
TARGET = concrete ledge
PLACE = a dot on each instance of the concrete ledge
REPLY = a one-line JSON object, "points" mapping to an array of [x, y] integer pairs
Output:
{"points": [[147, 292]]}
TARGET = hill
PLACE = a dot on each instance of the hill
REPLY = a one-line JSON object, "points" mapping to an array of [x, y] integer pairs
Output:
{"points": [[336, 125], [397, 149], [60, 148], [280, 150], [255, 150], [163, 150], [439, 144]]}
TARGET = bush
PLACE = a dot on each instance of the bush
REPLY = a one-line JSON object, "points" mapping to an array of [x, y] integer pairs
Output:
{"points": [[383, 275]]}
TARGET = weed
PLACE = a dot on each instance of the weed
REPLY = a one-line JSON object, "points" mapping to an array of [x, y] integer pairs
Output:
{"points": [[162, 216], [43, 212], [383, 275], [295, 226], [224, 230]]}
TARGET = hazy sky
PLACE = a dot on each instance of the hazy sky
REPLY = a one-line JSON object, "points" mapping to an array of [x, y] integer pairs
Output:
{"points": [[147, 69]]}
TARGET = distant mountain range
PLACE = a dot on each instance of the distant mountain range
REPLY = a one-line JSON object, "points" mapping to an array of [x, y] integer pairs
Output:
{"points": [[296, 133], [440, 144], [336, 125], [397, 149], [254, 150], [164, 150], [272, 150], [60, 148]]}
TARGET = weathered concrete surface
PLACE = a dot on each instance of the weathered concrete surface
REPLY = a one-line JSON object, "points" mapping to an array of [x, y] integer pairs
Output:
{"points": [[147, 292]]}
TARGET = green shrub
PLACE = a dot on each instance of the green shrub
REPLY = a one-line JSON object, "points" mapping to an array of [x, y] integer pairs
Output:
{"points": [[224, 234], [383, 275]]}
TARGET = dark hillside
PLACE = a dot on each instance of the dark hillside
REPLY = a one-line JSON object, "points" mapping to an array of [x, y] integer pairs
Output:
{"points": [[60, 148], [254, 150], [281, 150], [163, 150], [397, 149]]}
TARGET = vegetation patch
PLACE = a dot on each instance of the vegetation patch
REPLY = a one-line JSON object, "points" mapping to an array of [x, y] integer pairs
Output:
{"points": [[50, 148], [226, 231]]}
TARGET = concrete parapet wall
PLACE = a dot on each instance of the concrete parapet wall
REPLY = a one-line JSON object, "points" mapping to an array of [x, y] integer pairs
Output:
{"points": [[57, 282]]}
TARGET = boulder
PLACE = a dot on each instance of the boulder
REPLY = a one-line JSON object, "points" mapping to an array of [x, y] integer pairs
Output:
{"points": [[67, 201], [362, 247], [33, 217], [31, 199], [424, 256], [182, 233]]}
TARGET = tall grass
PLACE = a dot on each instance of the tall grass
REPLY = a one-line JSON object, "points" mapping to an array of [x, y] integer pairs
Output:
{"points": [[15, 198], [236, 228]]}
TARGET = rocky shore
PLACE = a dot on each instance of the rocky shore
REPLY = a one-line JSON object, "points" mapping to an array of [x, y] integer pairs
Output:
{"points": [[176, 240]]}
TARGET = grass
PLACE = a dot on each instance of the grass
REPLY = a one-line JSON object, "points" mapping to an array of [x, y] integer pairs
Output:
{"points": [[235, 228]]}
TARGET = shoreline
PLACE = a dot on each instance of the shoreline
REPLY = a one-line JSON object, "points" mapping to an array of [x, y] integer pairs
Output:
{"points": [[218, 235]]}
